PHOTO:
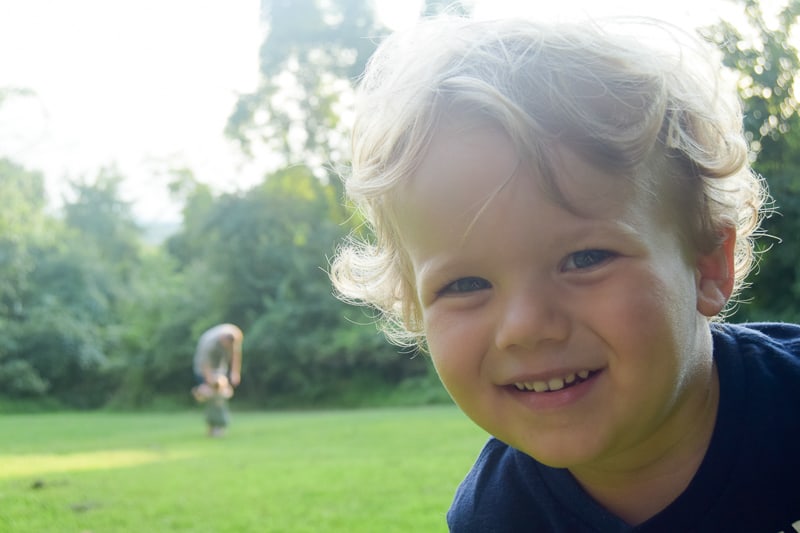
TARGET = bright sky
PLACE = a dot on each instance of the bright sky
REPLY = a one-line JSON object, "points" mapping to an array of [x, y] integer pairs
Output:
{"points": [[148, 85]]}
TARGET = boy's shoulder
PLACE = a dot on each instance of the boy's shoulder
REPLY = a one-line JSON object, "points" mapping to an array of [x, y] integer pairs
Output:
{"points": [[780, 330], [506, 489], [754, 445], [764, 343]]}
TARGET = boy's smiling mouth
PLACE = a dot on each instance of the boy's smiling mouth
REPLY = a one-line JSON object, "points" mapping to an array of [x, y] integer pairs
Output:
{"points": [[555, 383]]}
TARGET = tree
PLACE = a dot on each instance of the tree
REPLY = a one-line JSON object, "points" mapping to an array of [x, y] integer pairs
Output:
{"points": [[100, 215], [56, 300], [22, 227], [22, 224], [312, 52], [767, 64]]}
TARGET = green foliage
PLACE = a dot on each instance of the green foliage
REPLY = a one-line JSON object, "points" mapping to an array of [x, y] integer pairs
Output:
{"points": [[21, 380], [22, 231], [22, 225], [312, 53], [103, 219], [155, 336], [68, 352], [66, 289], [264, 252], [767, 63]]}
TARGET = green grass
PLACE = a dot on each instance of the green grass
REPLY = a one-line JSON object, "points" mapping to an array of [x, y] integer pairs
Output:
{"points": [[379, 470]]}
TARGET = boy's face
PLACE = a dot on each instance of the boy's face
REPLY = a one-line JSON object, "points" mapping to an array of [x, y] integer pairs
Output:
{"points": [[574, 338]]}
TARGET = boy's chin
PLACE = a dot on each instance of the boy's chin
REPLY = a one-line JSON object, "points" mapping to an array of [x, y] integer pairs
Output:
{"points": [[571, 452]]}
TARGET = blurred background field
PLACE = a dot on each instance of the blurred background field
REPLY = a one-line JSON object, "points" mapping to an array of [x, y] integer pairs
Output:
{"points": [[387, 470]]}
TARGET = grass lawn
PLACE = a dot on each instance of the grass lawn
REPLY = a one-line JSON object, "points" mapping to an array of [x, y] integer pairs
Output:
{"points": [[381, 470]]}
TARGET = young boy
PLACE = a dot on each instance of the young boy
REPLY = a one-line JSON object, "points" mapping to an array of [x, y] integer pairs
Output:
{"points": [[215, 395], [562, 214]]}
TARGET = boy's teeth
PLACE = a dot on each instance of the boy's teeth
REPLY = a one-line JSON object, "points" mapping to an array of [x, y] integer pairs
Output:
{"points": [[553, 384]]}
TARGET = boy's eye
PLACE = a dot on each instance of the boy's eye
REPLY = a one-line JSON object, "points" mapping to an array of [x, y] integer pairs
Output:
{"points": [[586, 259], [464, 285]]}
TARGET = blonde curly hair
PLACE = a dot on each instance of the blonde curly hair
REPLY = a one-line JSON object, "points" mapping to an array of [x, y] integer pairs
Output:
{"points": [[622, 104]]}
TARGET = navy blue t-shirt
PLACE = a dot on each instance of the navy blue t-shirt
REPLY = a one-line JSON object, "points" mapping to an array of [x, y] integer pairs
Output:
{"points": [[749, 480]]}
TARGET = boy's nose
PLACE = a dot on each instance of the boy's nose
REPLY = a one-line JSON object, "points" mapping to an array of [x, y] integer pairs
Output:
{"points": [[530, 318]]}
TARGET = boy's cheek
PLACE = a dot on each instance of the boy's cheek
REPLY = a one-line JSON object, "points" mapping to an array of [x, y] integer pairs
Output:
{"points": [[454, 339], [645, 314]]}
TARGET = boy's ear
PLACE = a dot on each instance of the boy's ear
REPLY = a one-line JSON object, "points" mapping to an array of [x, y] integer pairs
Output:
{"points": [[715, 275]]}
